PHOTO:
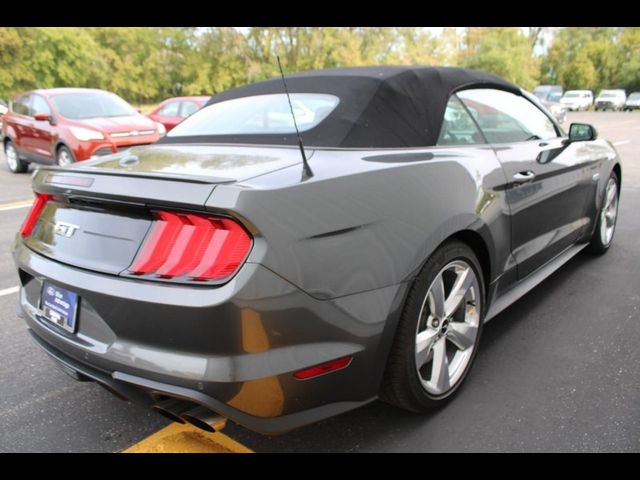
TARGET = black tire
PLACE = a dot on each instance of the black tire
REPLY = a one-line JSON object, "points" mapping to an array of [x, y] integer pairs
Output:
{"points": [[402, 385], [64, 156], [14, 162], [599, 245]]}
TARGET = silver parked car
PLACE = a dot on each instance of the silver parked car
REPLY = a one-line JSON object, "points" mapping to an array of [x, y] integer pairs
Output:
{"points": [[633, 102]]}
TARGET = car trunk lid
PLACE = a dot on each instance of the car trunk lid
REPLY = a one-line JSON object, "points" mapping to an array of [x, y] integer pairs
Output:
{"points": [[101, 210]]}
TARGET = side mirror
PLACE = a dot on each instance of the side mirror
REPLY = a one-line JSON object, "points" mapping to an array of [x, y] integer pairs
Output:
{"points": [[582, 132], [42, 117]]}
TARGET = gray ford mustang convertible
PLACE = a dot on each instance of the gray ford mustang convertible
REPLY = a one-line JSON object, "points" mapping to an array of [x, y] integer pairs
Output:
{"points": [[229, 271]]}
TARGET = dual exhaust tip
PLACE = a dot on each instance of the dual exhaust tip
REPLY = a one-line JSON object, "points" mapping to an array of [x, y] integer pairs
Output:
{"points": [[183, 411]]}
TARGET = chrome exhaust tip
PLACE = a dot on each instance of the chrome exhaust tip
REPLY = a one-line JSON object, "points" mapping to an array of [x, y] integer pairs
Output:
{"points": [[204, 419], [172, 408]]}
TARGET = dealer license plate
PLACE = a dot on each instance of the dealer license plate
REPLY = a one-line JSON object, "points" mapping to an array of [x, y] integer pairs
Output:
{"points": [[59, 306]]}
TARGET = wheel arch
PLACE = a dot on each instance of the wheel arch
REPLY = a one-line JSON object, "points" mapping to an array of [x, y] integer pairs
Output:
{"points": [[475, 237], [477, 243], [60, 143], [6, 140], [617, 168]]}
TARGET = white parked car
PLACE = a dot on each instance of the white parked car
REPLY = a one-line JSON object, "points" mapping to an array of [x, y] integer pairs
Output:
{"points": [[577, 99], [611, 100], [633, 101]]}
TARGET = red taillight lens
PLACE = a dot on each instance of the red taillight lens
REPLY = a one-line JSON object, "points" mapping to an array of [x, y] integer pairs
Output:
{"points": [[194, 246], [323, 368], [34, 214]]}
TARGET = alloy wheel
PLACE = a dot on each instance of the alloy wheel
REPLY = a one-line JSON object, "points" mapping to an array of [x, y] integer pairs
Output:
{"points": [[12, 156], [609, 213], [64, 157], [448, 326]]}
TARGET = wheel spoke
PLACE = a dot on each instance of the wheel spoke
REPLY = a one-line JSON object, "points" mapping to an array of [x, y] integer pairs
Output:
{"points": [[462, 335], [436, 298], [424, 341], [459, 291], [440, 368], [611, 192]]}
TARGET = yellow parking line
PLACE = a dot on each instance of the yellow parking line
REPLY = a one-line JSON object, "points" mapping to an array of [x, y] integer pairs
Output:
{"points": [[177, 438]]}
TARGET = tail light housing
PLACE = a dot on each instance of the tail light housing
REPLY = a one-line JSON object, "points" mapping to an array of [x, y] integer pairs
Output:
{"points": [[191, 247], [34, 214]]}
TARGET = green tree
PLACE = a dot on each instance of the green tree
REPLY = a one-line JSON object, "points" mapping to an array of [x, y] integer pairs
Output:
{"points": [[504, 51], [592, 58], [629, 57], [14, 70]]}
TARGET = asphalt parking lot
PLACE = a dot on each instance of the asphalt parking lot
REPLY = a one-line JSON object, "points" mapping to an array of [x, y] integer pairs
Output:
{"points": [[557, 371]]}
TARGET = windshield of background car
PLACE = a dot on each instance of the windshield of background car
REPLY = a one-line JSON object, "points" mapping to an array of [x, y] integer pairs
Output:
{"points": [[609, 95], [634, 96], [259, 114], [78, 106], [573, 95]]}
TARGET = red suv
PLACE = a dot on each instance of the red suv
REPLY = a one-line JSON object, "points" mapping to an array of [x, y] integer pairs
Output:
{"points": [[173, 110], [66, 125]]}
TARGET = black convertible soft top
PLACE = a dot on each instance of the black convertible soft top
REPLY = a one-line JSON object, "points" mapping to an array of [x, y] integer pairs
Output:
{"points": [[380, 107]]}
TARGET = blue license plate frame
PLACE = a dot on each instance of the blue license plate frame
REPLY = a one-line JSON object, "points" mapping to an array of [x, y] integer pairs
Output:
{"points": [[59, 306]]}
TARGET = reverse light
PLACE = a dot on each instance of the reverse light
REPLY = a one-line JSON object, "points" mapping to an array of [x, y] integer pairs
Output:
{"points": [[323, 368], [34, 214], [86, 134], [192, 246]]}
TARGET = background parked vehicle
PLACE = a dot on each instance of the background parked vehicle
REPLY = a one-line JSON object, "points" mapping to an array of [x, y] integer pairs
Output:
{"points": [[611, 100], [577, 99], [633, 102], [551, 93], [67, 125], [557, 109], [174, 110]]}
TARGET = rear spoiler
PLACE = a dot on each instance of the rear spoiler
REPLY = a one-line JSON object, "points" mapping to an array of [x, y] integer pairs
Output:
{"points": [[123, 173], [116, 186]]}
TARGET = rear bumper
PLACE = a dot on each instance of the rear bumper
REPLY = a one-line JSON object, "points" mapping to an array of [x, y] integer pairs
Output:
{"points": [[232, 348], [148, 392]]}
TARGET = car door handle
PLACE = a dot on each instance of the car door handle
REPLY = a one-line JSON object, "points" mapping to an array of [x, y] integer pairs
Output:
{"points": [[524, 176]]}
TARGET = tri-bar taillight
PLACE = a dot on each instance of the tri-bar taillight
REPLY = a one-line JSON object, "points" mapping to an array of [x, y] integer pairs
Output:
{"points": [[34, 214], [191, 246]]}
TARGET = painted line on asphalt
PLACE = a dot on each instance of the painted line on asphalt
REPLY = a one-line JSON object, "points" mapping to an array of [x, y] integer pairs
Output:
{"points": [[8, 291], [16, 205], [177, 438], [621, 142]]}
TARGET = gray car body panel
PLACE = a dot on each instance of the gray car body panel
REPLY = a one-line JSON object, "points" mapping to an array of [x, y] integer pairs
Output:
{"points": [[332, 260]]}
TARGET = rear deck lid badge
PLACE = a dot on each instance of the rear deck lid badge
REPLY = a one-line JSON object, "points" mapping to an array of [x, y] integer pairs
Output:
{"points": [[65, 229]]}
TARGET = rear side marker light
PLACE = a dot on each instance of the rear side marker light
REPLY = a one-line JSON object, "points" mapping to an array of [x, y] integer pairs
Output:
{"points": [[198, 247], [323, 368], [34, 214]]}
